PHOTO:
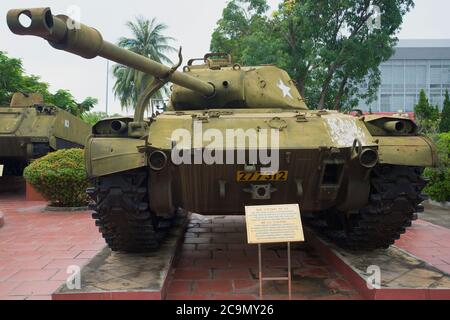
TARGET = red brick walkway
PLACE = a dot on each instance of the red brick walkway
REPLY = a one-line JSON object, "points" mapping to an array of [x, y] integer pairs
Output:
{"points": [[36, 247], [216, 263], [428, 242]]}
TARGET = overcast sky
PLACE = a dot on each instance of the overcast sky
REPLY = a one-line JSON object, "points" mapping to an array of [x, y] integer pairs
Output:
{"points": [[190, 22]]}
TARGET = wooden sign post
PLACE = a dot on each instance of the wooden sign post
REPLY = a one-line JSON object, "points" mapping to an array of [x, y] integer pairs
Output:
{"points": [[274, 224]]}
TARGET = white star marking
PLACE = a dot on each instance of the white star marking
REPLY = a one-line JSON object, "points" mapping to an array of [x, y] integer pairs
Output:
{"points": [[285, 89]]}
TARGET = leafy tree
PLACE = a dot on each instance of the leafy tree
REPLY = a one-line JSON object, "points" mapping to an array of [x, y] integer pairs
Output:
{"points": [[423, 109], [444, 126], [86, 105], [13, 79], [64, 99], [326, 45], [239, 29], [427, 116], [94, 117], [147, 40]]}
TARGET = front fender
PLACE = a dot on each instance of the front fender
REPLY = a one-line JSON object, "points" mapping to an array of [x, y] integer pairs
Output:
{"points": [[416, 151], [106, 156]]}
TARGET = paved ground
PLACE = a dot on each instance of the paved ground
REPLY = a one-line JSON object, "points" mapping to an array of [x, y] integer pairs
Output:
{"points": [[436, 215], [37, 247], [215, 263], [428, 242]]}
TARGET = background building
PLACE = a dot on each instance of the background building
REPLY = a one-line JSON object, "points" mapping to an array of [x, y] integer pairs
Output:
{"points": [[416, 65]]}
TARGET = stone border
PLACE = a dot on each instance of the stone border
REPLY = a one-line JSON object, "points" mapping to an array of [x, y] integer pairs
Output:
{"points": [[65, 209], [445, 205], [341, 261], [106, 264], [2, 219]]}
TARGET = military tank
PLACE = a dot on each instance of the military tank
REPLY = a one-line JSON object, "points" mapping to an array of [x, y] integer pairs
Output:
{"points": [[29, 129], [357, 179]]}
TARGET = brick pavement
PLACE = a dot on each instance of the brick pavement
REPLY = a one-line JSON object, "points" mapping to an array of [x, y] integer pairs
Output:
{"points": [[215, 262], [36, 247]]}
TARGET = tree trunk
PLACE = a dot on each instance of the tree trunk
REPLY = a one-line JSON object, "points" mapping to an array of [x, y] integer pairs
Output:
{"points": [[301, 87], [326, 85], [338, 98]]}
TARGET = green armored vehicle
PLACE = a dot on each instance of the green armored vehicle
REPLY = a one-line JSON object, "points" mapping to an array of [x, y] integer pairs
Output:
{"points": [[29, 129], [236, 136]]}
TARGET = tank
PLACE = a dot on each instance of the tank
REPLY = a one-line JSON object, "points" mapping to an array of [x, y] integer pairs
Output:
{"points": [[29, 129], [236, 136]]}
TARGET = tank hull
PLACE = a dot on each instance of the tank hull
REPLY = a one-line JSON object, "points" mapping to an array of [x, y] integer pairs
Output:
{"points": [[316, 150], [200, 185], [15, 148], [30, 131]]}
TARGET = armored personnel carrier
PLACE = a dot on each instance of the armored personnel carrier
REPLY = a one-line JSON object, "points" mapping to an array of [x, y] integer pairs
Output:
{"points": [[29, 129], [237, 136]]}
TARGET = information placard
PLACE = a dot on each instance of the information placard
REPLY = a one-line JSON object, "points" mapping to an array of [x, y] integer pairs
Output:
{"points": [[274, 224]]}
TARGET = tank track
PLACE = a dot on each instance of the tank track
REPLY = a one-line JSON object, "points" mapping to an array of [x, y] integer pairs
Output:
{"points": [[121, 212], [394, 201]]}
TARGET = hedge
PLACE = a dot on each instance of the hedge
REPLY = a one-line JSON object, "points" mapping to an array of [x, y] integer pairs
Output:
{"points": [[60, 177], [439, 186]]}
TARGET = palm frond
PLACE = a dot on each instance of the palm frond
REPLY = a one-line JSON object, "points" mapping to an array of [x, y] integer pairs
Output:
{"points": [[147, 39]]}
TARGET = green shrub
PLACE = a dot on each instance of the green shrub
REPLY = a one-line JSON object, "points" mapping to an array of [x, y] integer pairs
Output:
{"points": [[60, 177], [427, 116], [439, 186], [444, 125]]}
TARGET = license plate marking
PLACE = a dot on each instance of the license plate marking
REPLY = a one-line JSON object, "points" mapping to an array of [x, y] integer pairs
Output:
{"points": [[243, 176]]}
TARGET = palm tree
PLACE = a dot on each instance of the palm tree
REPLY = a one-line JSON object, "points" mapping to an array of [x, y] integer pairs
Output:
{"points": [[147, 40]]}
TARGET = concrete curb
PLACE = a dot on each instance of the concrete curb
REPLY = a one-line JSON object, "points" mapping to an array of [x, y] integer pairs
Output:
{"points": [[2, 219], [130, 286], [445, 205], [353, 268]]}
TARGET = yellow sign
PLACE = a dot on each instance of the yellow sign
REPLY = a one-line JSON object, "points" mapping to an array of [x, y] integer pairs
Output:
{"points": [[243, 176], [274, 224]]}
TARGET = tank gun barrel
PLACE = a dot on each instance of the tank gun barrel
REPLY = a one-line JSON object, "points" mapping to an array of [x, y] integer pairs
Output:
{"points": [[64, 34]]}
